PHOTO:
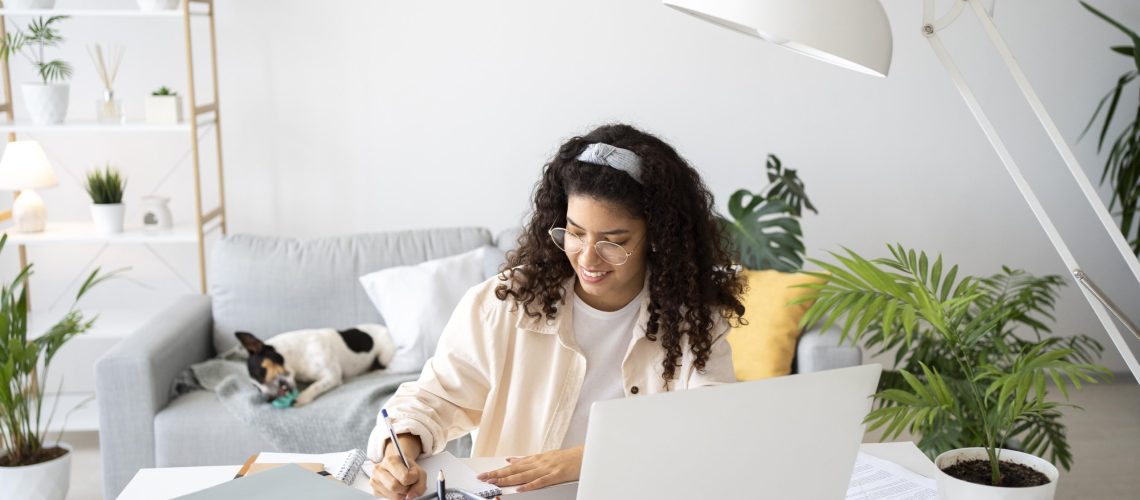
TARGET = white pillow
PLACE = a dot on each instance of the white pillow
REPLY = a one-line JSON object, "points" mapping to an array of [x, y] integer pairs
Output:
{"points": [[416, 302]]}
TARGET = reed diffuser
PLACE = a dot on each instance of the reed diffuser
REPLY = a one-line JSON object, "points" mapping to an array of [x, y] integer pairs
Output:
{"points": [[108, 109]]}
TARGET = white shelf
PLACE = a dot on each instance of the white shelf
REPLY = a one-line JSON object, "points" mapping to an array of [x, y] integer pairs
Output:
{"points": [[99, 13], [84, 232], [93, 126]]}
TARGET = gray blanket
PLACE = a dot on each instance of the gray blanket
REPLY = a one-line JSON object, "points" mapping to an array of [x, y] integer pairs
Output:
{"points": [[338, 420]]}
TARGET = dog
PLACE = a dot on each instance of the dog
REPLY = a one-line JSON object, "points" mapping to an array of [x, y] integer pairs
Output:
{"points": [[321, 357]]}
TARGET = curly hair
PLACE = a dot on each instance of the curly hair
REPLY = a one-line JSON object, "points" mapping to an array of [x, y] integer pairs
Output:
{"points": [[691, 278]]}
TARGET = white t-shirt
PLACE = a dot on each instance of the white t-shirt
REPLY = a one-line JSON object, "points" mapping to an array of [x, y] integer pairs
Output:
{"points": [[604, 337]]}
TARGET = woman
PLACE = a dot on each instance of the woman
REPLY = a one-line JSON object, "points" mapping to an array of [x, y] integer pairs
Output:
{"points": [[621, 285]]}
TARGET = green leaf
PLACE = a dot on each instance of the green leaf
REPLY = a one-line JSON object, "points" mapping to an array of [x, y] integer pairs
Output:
{"points": [[764, 234]]}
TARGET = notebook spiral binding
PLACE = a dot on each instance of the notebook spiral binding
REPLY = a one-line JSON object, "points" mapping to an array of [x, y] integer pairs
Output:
{"points": [[489, 493], [351, 466]]}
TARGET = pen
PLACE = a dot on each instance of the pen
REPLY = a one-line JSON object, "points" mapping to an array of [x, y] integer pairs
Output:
{"points": [[384, 413], [440, 488]]}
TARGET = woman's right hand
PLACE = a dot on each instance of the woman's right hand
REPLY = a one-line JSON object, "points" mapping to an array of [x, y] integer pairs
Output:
{"points": [[390, 479]]}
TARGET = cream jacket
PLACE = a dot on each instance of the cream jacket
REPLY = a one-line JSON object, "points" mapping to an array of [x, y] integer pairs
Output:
{"points": [[514, 379]]}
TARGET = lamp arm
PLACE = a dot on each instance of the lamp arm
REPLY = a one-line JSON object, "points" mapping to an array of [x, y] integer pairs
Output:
{"points": [[931, 33], [1059, 143]]}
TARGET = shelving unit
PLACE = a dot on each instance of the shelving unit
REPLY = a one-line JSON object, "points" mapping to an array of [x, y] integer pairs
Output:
{"points": [[200, 116]]}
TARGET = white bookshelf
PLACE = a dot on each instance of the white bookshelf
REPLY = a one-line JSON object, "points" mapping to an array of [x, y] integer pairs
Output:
{"points": [[84, 232], [96, 127], [199, 115], [175, 13]]}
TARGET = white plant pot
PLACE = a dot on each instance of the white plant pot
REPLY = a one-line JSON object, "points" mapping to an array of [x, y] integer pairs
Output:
{"points": [[47, 103], [29, 4], [158, 4], [108, 217], [952, 488], [164, 109], [44, 481]]}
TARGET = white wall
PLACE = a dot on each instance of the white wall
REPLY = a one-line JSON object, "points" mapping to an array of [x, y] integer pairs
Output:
{"points": [[363, 115]]}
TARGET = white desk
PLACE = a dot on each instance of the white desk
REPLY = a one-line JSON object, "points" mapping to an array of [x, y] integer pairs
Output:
{"points": [[163, 484]]}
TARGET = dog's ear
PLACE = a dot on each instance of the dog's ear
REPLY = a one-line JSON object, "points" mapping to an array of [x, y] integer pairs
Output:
{"points": [[249, 342]]}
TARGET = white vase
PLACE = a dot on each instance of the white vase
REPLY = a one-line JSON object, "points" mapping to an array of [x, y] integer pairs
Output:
{"points": [[29, 4], [156, 214], [108, 217], [164, 109], [158, 4], [47, 103], [952, 488], [43, 481]]}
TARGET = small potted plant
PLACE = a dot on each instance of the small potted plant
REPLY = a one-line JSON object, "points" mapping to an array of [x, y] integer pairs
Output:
{"points": [[47, 99], [106, 188], [31, 466], [972, 366], [164, 106]]}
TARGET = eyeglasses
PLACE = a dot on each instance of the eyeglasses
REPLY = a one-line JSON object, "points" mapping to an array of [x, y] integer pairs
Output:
{"points": [[571, 243]]}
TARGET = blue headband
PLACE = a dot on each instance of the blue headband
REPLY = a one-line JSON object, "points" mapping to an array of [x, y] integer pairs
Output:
{"points": [[622, 159]]}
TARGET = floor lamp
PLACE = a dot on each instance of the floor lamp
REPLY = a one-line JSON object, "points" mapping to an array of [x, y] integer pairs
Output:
{"points": [[856, 34]]}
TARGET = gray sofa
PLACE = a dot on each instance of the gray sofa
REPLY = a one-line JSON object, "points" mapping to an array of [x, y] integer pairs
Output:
{"points": [[270, 284]]}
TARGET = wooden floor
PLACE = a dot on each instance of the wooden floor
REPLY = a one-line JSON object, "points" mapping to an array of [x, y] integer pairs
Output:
{"points": [[1105, 438]]}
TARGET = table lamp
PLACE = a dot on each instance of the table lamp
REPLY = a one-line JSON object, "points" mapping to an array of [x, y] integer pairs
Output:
{"points": [[856, 34], [24, 167]]}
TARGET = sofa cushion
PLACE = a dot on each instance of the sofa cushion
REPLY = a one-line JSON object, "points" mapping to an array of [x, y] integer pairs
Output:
{"points": [[269, 285], [766, 345], [417, 302], [195, 429]]}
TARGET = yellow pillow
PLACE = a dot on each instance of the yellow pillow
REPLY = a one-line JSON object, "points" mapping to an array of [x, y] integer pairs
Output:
{"points": [[765, 346]]}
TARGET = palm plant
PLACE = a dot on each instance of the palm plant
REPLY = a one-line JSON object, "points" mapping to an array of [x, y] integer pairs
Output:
{"points": [[764, 229], [41, 33], [1122, 166], [24, 365], [963, 376], [106, 186]]}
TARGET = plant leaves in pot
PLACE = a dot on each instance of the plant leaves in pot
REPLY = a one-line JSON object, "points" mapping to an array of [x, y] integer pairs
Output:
{"points": [[106, 188], [30, 466], [46, 99], [973, 364]]}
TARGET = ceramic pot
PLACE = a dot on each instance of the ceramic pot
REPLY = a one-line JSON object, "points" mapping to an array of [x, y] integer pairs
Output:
{"points": [[47, 102], [108, 217], [44, 481], [952, 488]]}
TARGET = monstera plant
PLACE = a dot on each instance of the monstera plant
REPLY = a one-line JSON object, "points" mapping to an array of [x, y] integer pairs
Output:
{"points": [[764, 228]]}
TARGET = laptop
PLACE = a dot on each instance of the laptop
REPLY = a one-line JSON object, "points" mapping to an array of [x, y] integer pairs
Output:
{"points": [[787, 437]]}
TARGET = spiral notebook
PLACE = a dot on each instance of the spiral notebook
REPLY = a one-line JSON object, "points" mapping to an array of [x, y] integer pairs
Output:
{"points": [[343, 465], [457, 474]]}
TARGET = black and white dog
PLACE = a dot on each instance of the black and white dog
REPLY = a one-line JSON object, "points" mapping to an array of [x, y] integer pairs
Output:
{"points": [[322, 357]]}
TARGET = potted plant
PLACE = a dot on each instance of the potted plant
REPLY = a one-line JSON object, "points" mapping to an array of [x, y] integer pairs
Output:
{"points": [[46, 99], [966, 379], [764, 235], [764, 230], [106, 188], [164, 106], [30, 466]]}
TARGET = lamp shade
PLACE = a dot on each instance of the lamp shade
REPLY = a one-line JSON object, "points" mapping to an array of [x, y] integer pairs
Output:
{"points": [[854, 34], [25, 166]]}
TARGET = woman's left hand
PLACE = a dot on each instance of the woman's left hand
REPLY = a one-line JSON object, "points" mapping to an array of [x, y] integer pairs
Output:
{"points": [[538, 471]]}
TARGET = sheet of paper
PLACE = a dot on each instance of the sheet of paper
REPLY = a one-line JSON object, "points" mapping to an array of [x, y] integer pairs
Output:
{"points": [[878, 479], [457, 475]]}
